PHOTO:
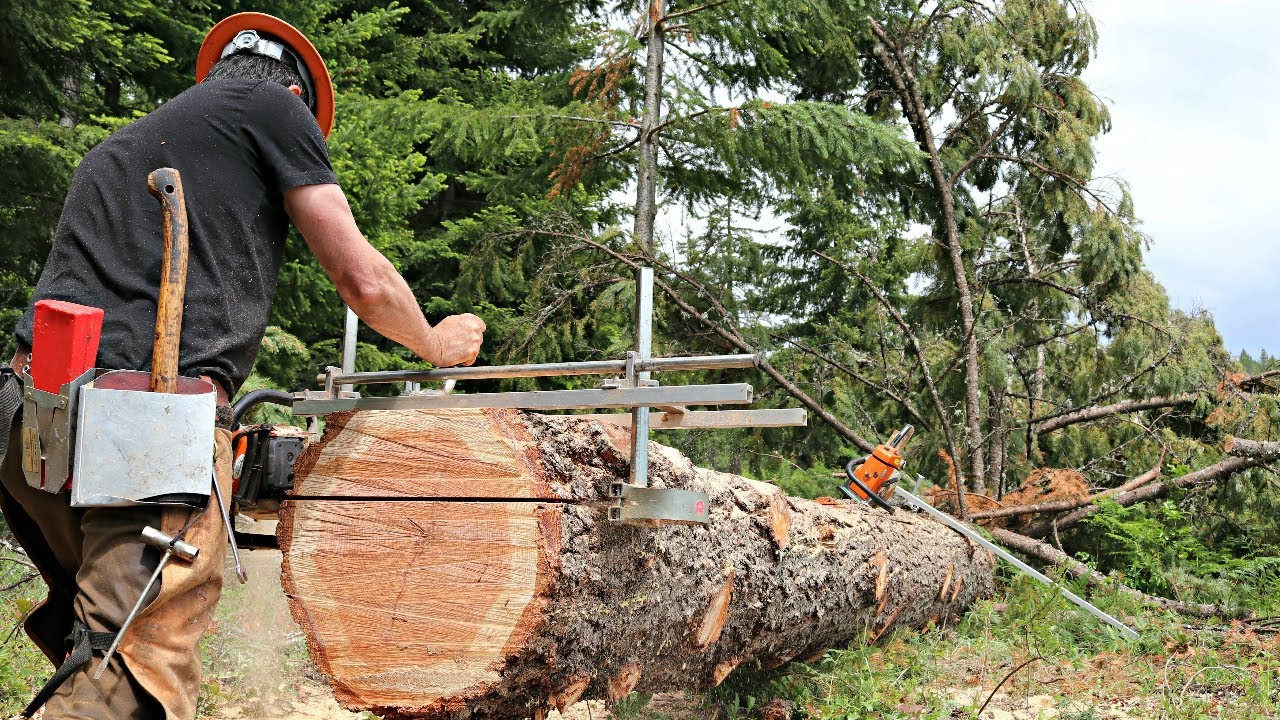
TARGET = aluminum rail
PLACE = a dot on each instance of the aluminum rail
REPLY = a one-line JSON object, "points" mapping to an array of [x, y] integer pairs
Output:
{"points": [[711, 419], [592, 367], [732, 394], [1126, 631]]}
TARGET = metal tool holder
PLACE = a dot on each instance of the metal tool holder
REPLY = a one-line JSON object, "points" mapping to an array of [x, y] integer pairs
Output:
{"points": [[633, 389]]}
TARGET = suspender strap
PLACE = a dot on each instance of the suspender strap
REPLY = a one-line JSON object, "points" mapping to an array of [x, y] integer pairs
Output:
{"points": [[82, 643]]}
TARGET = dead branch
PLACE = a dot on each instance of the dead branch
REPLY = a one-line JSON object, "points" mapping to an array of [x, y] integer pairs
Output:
{"points": [[1259, 449], [1151, 492], [1062, 505], [1050, 554], [1057, 422], [1259, 380]]}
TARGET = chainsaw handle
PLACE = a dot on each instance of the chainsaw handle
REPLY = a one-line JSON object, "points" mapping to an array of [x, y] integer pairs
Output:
{"points": [[166, 185], [256, 398], [853, 478]]}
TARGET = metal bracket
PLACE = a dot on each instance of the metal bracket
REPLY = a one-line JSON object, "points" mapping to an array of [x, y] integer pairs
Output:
{"points": [[48, 430], [645, 505]]}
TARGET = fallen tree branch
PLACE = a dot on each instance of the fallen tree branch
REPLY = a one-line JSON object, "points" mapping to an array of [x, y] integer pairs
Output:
{"points": [[1151, 492], [1050, 554], [1062, 505], [1057, 422], [1258, 449], [1259, 380]]}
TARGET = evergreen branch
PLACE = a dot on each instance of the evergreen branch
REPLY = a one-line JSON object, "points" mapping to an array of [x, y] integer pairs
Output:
{"points": [[697, 58], [1048, 339], [1036, 279], [579, 118], [683, 118], [934, 397], [950, 136], [1058, 174], [986, 146], [881, 389]]}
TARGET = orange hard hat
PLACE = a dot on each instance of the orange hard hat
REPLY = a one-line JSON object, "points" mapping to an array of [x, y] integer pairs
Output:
{"points": [[219, 43]]}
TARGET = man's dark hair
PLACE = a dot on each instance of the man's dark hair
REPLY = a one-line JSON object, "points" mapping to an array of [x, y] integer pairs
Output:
{"points": [[257, 67]]}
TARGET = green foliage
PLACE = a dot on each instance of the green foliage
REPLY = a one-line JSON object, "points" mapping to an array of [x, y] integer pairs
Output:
{"points": [[23, 668], [1161, 550]]}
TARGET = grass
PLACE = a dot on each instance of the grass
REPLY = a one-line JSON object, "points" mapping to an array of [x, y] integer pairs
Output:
{"points": [[1027, 650], [23, 668]]}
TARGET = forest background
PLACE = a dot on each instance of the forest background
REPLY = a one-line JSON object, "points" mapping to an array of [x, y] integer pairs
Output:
{"points": [[893, 202]]}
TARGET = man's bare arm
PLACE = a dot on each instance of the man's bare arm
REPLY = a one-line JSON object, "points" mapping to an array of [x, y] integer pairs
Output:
{"points": [[368, 282]]}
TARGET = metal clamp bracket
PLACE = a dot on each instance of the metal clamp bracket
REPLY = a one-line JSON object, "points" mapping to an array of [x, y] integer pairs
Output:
{"points": [[48, 429], [645, 505]]}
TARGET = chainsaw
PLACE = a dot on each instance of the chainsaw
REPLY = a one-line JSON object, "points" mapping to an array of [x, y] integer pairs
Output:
{"points": [[874, 479]]}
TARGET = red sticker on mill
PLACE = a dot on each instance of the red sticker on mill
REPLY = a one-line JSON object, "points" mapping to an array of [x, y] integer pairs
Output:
{"points": [[700, 508]]}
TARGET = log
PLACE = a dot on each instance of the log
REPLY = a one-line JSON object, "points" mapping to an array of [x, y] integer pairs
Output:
{"points": [[460, 564]]}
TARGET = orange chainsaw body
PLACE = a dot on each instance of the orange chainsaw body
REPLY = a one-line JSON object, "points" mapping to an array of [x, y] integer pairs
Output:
{"points": [[876, 471]]}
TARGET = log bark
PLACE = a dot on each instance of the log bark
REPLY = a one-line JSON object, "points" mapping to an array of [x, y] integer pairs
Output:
{"points": [[461, 565], [1258, 449]]}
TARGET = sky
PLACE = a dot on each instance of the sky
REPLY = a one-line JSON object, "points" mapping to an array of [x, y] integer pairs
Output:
{"points": [[1194, 92]]}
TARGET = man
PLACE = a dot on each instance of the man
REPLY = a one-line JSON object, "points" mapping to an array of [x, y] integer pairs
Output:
{"points": [[249, 141]]}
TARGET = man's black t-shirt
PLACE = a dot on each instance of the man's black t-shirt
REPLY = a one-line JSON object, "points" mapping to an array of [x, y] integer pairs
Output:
{"points": [[238, 145]]}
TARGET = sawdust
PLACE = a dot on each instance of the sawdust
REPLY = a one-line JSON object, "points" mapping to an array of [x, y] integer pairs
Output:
{"points": [[667, 706], [1048, 485], [255, 660], [314, 701]]}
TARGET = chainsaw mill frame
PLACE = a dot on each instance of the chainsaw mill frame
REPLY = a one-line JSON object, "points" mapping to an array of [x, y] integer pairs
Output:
{"points": [[634, 388]]}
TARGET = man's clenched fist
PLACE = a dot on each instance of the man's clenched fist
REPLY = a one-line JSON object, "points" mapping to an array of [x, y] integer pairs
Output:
{"points": [[457, 340]]}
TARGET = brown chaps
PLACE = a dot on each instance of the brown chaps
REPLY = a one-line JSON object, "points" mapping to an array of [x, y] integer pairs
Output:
{"points": [[95, 565]]}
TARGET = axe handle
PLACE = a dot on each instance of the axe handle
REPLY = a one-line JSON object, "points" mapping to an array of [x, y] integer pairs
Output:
{"points": [[166, 185]]}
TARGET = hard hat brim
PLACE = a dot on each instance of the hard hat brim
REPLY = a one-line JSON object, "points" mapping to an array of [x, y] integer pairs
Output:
{"points": [[228, 28]]}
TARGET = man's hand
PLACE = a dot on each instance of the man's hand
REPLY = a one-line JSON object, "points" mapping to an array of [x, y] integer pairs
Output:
{"points": [[457, 340]]}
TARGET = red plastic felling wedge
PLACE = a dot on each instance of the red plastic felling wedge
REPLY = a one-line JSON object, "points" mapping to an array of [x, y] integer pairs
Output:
{"points": [[64, 344]]}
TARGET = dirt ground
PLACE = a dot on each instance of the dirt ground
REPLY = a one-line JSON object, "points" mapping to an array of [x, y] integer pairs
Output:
{"points": [[257, 667]]}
